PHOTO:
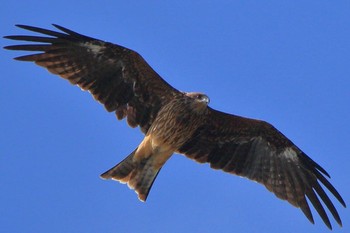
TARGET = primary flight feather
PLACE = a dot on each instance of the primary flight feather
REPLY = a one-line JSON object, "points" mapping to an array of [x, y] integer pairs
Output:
{"points": [[178, 122]]}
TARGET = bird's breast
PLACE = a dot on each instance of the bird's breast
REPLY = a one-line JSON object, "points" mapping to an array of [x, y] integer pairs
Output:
{"points": [[175, 124]]}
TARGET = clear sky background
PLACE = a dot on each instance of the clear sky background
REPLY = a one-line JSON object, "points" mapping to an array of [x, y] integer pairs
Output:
{"points": [[287, 62]]}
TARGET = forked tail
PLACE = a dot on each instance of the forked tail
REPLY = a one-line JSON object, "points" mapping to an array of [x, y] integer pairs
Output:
{"points": [[138, 174]]}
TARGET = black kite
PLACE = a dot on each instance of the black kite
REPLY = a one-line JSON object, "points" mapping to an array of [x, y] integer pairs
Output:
{"points": [[178, 122]]}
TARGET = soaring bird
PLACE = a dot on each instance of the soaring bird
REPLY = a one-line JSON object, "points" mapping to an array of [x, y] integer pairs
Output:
{"points": [[178, 122]]}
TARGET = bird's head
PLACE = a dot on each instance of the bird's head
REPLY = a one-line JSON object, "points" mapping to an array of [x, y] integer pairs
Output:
{"points": [[199, 97], [200, 102]]}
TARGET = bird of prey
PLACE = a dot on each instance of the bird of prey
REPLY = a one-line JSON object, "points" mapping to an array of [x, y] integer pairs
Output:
{"points": [[178, 122]]}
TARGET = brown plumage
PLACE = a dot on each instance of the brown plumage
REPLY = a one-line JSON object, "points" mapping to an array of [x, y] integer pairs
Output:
{"points": [[178, 122]]}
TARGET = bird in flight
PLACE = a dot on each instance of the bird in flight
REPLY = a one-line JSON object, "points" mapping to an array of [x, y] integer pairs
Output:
{"points": [[178, 122]]}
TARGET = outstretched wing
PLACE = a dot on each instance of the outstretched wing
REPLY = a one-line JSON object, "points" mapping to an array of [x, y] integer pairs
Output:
{"points": [[116, 76], [256, 150]]}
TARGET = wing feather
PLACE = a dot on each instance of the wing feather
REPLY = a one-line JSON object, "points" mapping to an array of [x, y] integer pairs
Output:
{"points": [[256, 150], [117, 77]]}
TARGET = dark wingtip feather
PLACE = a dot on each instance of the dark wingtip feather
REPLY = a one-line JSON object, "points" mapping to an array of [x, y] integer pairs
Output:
{"points": [[321, 193], [331, 188], [304, 206], [319, 208], [63, 29], [10, 37], [7, 47], [22, 58], [341, 200], [31, 57], [314, 164], [21, 25], [41, 30], [308, 215], [27, 27], [72, 33], [27, 47]]}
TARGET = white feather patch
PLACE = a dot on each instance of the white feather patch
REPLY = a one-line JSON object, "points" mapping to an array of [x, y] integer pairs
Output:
{"points": [[290, 154], [94, 48]]}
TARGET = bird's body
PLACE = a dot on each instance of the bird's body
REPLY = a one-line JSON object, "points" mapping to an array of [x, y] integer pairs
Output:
{"points": [[173, 127], [178, 122]]}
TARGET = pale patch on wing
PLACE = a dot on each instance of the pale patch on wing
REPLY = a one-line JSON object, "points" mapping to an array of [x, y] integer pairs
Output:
{"points": [[93, 47], [290, 154]]}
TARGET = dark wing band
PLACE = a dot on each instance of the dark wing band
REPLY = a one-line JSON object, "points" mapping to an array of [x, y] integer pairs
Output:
{"points": [[256, 150], [116, 76]]}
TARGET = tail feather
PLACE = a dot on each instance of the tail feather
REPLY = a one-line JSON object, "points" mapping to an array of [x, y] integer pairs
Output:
{"points": [[139, 175], [122, 171]]}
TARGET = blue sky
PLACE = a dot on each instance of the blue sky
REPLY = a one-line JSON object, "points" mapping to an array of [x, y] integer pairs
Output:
{"points": [[286, 62]]}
